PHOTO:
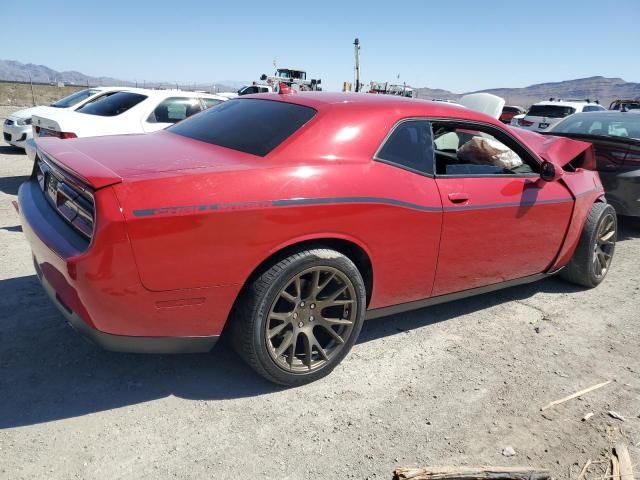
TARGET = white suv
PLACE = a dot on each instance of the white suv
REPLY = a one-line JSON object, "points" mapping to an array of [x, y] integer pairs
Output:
{"points": [[543, 115]]}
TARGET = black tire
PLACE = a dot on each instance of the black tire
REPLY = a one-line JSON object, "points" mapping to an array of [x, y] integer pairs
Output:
{"points": [[583, 269], [251, 328]]}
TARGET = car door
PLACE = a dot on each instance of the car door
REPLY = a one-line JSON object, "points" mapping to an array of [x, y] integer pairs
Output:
{"points": [[170, 111], [500, 220], [407, 264]]}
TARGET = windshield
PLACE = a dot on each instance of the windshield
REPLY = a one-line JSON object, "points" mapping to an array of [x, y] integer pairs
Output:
{"points": [[74, 98], [626, 125], [114, 105], [248, 125], [551, 111]]}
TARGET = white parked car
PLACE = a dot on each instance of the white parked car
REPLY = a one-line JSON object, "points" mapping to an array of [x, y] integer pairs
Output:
{"points": [[544, 115], [17, 127], [134, 110], [251, 89]]}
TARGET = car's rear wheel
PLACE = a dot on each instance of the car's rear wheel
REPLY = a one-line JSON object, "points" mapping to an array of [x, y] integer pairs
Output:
{"points": [[592, 258], [300, 318]]}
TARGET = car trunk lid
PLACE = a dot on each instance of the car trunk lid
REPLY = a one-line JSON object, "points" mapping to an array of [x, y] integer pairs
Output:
{"points": [[84, 167], [103, 161]]}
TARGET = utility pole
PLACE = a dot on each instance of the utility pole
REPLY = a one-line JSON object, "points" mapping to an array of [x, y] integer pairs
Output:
{"points": [[356, 46], [33, 95]]}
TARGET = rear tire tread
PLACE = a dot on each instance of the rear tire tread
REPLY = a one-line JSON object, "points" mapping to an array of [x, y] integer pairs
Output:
{"points": [[248, 311]]}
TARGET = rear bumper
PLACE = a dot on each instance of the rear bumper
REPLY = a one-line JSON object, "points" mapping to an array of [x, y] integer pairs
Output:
{"points": [[31, 149], [124, 343], [622, 190], [97, 289]]}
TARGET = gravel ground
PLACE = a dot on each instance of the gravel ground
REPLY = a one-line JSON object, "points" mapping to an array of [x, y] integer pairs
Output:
{"points": [[450, 385]]}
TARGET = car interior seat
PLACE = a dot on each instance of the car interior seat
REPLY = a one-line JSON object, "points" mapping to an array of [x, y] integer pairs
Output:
{"points": [[193, 109], [162, 114]]}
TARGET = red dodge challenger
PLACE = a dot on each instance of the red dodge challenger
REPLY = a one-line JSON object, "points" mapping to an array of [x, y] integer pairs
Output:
{"points": [[288, 219]]}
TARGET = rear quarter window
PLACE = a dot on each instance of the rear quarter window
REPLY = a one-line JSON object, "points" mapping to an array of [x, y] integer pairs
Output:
{"points": [[116, 104], [248, 125]]}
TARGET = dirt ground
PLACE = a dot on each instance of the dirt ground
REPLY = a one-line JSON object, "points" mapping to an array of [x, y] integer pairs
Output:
{"points": [[20, 94], [450, 385]]}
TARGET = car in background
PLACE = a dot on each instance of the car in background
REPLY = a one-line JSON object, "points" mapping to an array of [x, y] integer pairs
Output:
{"points": [[246, 218], [616, 138], [251, 89], [625, 105], [510, 111], [17, 128], [135, 110], [543, 115], [516, 119]]}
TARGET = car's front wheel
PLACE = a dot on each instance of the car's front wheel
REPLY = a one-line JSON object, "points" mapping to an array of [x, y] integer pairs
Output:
{"points": [[592, 258], [300, 318]]}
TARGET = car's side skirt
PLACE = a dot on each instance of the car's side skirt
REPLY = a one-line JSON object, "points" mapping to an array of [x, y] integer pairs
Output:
{"points": [[427, 302]]}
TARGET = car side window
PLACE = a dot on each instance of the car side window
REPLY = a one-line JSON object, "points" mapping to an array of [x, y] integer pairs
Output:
{"points": [[98, 98], [468, 150], [409, 146], [211, 102], [174, 109], [593, 108]]}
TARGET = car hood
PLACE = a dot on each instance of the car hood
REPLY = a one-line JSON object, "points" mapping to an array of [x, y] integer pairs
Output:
{"points": [[486, 103], [103, 161], [557, 150], [29, 112]]}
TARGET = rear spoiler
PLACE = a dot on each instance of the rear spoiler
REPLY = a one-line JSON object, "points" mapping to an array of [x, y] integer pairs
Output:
{"points": [[62, 153]]}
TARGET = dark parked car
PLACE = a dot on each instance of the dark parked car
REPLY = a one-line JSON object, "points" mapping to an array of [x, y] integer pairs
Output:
{"points": [[625, 105], [616, 138]]}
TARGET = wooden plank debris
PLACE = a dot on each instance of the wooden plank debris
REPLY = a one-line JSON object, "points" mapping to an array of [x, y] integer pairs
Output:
{"points": [[574, 395], [471, 473], [624, 462]]}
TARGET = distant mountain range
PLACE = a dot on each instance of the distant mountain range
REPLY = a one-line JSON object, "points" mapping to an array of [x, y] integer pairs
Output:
{"points": [[595, 88], [13, 71], [603, 89]]}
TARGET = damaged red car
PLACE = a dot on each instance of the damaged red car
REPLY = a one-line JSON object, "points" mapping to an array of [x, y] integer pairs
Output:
{"points": [[285, 220]]}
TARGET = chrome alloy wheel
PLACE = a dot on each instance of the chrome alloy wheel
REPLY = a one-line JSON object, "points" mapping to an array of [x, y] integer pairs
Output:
{"points": [[604, 245], [310, 319]]}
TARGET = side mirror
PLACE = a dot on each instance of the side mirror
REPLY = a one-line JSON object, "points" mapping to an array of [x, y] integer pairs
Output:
{"points": [[263, 77], [549, 172]]}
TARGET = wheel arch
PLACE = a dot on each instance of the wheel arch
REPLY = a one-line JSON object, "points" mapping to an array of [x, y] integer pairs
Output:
{"points": [[356, 251]]}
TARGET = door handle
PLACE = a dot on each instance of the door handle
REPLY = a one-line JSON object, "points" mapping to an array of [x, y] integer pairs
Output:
{"points": [[458, 197]]}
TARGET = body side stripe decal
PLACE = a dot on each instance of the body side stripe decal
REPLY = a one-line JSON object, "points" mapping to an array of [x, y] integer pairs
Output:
{"points": [[207, 208]]}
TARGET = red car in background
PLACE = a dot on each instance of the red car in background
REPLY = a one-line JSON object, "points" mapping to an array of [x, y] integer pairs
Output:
{"points": [[508, 112], [287, 219]]}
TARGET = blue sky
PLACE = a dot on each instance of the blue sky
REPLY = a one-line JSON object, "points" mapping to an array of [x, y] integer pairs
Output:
{"points": [[457, 45]]}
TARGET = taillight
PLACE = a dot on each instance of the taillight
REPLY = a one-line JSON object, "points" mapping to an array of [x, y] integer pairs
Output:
{"points": [[524, 123], [73, 201], [47, 132]]}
